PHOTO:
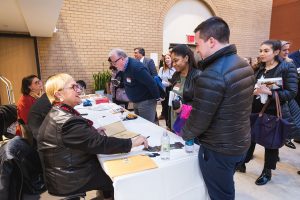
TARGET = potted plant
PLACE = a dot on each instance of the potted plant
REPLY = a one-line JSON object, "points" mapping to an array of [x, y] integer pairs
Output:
{"points": [[100, 81]]}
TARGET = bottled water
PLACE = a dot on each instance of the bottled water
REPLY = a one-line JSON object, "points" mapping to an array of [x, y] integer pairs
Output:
{"points": [[189, 146], [165, 146]]}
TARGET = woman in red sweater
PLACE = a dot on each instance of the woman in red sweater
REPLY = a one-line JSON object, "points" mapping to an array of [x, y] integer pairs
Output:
{"points": [[32, 89]]}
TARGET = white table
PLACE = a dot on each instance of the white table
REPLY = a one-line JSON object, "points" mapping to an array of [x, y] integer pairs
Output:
{"points": [[178, 178]]}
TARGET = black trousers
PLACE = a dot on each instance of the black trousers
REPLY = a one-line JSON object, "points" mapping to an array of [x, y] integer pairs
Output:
{"points": [[271, 156], [165, 106]]}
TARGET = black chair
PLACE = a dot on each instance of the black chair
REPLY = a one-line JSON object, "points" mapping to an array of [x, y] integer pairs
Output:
{"points": [[8, 116]]}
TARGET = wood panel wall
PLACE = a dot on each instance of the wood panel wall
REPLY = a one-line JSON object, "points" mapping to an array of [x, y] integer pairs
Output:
{"points": [[17, 60]]}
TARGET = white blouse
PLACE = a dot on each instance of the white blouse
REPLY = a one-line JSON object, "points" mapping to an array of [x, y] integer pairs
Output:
{"points": [[165, 75]]}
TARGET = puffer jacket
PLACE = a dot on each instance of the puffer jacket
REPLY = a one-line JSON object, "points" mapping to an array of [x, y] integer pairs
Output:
{"points": [[188, 89], [68, 145], [288, 72], [220, 117]]}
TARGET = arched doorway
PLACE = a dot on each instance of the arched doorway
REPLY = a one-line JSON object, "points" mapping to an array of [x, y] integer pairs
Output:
{"points": [[181, 20]]}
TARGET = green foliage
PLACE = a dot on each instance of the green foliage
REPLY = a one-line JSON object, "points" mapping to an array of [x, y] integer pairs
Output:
{"points": [[100, 80]]}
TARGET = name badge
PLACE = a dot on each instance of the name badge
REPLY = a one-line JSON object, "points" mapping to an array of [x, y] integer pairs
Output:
{"points": [[128, 80], [177, 87]]}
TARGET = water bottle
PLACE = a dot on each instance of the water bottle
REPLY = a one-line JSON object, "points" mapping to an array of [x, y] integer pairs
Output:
{"points": [[165, 146], [189, 146]]}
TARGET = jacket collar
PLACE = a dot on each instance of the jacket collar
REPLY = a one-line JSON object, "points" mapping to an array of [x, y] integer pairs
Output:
{"points": [[228, 50]]}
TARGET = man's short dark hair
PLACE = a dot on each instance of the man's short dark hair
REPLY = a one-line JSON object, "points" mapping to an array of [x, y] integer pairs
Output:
{"points": [[81, 83], [214, 27], [141, 50]]}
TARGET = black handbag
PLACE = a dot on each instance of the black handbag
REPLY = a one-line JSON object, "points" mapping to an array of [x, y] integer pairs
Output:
{"points": [[268, 130]]}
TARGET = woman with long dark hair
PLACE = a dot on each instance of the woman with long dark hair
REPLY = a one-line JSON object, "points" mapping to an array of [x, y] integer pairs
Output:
{"points": [[32, 89], [182, 81], [272, 67]]}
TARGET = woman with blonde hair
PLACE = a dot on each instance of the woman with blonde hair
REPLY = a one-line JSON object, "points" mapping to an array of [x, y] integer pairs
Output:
{"points": [[69, 144]]}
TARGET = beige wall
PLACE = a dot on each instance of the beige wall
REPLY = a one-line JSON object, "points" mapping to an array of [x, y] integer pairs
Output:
{"points": [[88, 29]]}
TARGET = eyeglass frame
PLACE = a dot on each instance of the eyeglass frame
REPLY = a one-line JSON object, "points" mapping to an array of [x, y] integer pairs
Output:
{"points": [[75, 87], [115, 62]]}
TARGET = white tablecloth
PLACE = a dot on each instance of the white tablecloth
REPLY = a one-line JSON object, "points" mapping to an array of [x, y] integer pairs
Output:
{"points": [[178, 178]]}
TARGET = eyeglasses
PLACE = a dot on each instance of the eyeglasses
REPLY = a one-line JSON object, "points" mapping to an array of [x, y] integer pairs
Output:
{"points": [[115, 62], [75, 87], [37, 82]]}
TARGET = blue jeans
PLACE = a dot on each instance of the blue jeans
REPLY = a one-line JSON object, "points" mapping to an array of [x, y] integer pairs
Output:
{"points": [[146, 109], [218, 170]]}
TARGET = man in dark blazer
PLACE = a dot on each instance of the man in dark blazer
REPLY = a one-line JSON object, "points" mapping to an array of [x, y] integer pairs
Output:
{"points": [[139, 54]]}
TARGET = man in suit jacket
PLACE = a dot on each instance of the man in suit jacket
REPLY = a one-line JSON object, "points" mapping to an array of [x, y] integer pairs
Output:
{"points": [[140, 86], [139, 54]]}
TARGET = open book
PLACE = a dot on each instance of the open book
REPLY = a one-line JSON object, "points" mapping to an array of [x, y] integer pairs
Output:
{"points": [[272, 83], [118, 130]]}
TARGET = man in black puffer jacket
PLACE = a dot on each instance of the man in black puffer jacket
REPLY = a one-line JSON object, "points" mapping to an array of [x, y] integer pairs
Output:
{"points": [[220, 118]]}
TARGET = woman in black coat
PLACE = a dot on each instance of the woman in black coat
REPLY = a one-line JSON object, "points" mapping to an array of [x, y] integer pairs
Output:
{"points": [[68, 144], [183, 79], [271, 67]]}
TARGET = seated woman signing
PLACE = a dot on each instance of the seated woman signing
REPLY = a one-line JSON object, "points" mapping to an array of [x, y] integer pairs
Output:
{"points": [[69, 143]]}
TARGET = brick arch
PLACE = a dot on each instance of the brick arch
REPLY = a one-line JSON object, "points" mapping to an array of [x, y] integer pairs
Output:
{"points": [[169, 4]]}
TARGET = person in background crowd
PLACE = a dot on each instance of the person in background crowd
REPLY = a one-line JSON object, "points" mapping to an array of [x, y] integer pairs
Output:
{"points": [[72, 142], [248, 60], [165, 73], [139, 54], [295, 56], [285, 50], [82, 84], [284, 53], [140, 86], [32, 89], [220, 116], [183, 79], [272, 66], [161, 61]]}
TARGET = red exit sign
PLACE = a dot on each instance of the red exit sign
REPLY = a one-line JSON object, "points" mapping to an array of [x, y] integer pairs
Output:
{"points": [[190, 39]]}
